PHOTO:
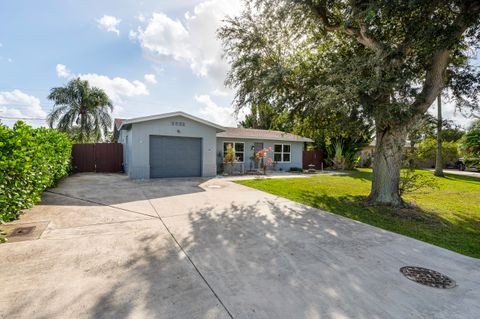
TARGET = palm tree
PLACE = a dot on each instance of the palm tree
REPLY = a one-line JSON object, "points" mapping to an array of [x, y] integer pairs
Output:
{"points": [[81, 111], [438, 158]]}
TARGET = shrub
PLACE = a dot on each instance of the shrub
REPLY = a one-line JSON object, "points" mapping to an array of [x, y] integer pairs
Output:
{"points": [[411, 181], [31, 160], [343, 154], [472, 162], [229, 157], [470, 142], [427, 150]]}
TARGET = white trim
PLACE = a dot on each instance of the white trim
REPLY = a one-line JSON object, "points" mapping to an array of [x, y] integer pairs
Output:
{"points": [[282, 153], [167, 115], [233, 144]]}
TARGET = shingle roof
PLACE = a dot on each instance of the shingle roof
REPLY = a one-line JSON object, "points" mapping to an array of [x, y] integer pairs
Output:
{"points": [[249, 133]]}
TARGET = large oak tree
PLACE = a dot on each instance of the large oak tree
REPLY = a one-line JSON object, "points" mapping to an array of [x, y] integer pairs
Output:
{"points": [[388, 60]]}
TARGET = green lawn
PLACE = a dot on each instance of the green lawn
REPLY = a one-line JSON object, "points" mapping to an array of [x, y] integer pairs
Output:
{"points": [[448, 216]]}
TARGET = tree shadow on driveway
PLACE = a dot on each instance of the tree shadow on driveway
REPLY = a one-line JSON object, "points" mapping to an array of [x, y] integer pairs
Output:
{"points": [[277, 260], [116, 189]]}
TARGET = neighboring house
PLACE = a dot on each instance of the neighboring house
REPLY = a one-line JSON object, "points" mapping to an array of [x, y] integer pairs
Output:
{"points": [[181, 145], [116, 128], [368, 152]]}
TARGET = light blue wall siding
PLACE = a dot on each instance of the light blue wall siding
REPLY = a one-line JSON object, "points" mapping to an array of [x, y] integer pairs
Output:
{"points": [[296, 156], [139, 159], [125, 137], [137, 148]]}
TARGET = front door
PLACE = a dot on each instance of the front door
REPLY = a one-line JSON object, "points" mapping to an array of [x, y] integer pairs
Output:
{"points": [[258, 146]]}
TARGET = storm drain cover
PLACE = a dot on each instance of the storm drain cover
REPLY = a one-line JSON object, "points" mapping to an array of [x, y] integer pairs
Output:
{"points": [[20, 231], [428, 277]]}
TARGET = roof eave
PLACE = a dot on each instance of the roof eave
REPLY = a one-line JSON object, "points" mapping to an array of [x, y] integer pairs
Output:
{"points": [[171, 114]]}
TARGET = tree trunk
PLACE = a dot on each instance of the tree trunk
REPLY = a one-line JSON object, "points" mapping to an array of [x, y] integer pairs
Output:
{"points": [[439, 159], [389, 148]]}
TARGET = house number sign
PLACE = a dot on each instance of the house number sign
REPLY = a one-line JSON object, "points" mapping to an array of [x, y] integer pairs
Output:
{"points": [[178, 123]]}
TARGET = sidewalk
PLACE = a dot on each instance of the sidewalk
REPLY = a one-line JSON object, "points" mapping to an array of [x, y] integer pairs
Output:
{"points": [[457, 172]]}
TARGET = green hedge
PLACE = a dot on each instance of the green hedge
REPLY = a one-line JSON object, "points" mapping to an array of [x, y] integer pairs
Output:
{"points": [[31, 160]]}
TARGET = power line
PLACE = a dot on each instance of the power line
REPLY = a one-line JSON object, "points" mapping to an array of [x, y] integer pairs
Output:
{"points": [[23, 118]]}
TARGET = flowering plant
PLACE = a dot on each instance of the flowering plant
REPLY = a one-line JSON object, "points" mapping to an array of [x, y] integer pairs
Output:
{"points": [[265, 161]]}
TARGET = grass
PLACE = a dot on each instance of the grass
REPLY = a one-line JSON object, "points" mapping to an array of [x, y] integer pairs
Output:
{"points": [[3, 237], [447, 216]]}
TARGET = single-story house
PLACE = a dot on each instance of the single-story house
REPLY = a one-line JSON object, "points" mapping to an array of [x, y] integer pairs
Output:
{"points": [[178, 144]]}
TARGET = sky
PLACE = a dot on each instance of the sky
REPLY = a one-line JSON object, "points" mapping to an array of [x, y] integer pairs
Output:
{"points": [[150, 56]]}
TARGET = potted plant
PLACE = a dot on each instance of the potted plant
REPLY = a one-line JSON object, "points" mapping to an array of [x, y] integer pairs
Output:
{"points": [[229, 159], [265, 161]]}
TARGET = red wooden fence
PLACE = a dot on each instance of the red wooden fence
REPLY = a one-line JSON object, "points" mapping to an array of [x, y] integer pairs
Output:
{"points": [[99, 157], [312, 157]]}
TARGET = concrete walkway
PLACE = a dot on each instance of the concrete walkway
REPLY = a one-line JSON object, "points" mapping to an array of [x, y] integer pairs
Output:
{"points": [[182, 248], [457, 172]]}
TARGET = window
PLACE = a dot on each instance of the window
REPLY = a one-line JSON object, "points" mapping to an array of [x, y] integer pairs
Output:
{"points": [[239, 148], [281, 153]]}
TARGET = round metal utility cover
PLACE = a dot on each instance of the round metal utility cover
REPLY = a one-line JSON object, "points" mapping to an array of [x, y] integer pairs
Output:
{"points": [[428, 277]]}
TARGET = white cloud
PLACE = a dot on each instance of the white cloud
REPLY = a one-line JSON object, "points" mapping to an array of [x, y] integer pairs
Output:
{"points": [[116, 87], [221, 92], [109, 23], [166, 37], [20, 105], [211, 111], [140, 17], [62, 71], [118, 111], [194, 40], [150, 78], [132, 35], [450, 113]]}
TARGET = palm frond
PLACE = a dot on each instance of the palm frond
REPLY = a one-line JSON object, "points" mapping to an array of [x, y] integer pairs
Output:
{"points": [[81, 110]]}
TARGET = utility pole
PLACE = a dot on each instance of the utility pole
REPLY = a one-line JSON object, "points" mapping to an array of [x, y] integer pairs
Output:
{"points": [[438, 159]]}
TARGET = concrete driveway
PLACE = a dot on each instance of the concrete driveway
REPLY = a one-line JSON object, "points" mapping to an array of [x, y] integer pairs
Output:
{"points": [[115, 248]]}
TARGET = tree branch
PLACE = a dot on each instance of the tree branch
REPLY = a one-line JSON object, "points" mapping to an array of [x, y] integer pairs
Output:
{"points": [[434, 81], [320, 10], [435, 75]]}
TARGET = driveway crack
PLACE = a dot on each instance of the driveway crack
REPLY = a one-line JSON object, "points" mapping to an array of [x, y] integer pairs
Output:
{"points": [[190, 260], [99, 203], [168, 230]]}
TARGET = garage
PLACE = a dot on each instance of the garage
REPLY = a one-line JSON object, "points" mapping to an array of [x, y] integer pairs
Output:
{"points": [[175, 156], [173, 144]]}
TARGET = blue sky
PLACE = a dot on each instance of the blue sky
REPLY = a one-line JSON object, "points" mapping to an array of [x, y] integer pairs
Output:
{"points": [[115, 44], [150, 56]]}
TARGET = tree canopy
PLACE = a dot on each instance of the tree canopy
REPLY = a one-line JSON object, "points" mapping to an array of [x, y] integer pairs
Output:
{"points": [[471, 141], [81, 111], [384, 61]]}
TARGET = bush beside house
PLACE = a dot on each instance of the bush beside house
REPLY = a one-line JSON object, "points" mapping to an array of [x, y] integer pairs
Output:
{"points": [[31, 160]]}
